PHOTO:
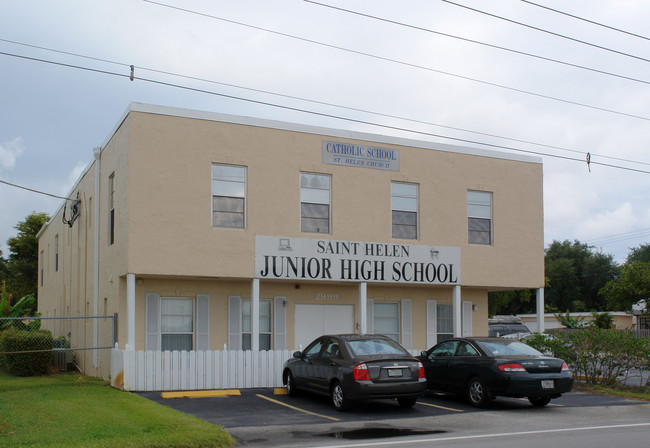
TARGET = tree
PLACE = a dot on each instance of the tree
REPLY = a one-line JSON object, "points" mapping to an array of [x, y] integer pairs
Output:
{"points": [[4, 269], [569, 321], [641, 253], [511, 302], [23, 256], [631, 286], [576, 275], [602, 320]]}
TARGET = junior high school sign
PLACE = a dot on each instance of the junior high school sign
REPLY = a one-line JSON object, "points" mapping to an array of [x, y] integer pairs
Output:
{"points": [[355, 261]]}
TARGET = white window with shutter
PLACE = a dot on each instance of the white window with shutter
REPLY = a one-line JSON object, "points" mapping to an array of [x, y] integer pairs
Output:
{"points": [[272, 323], [177, 323], [386, 318]]}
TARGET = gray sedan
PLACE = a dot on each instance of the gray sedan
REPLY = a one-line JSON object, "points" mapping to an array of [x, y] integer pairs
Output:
{"points": [[353, 367]]}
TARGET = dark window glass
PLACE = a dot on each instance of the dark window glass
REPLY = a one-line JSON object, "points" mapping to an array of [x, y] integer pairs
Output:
{"points": [[479, 231], [314, 218]]}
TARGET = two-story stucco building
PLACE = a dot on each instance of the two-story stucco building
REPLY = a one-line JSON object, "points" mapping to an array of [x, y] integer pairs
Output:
{"points": [[205, 231]]}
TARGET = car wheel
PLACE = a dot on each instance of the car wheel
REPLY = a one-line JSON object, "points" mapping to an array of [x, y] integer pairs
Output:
{"points": [[291, 385], [539, 402], [478, 393], [407, 402], [339, 400]]}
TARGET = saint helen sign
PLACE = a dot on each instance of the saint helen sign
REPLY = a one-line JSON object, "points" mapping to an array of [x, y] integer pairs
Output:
{"points": [[355, 261]]}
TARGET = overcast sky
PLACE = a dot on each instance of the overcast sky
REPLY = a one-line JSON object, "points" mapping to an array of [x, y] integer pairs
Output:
{"points": [[405, 71]]}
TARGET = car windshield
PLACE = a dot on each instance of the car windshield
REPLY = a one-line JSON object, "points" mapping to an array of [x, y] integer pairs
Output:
{"points": [[507, 347], [374, 346]]}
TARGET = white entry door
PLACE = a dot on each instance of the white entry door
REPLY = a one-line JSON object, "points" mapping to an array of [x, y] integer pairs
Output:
{"points": [[313, 321]]}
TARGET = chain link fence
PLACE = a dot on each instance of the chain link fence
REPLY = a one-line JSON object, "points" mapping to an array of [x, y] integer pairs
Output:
{"points": [[48, 346]]}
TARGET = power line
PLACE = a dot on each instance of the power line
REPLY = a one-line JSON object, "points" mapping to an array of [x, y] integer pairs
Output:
{"points": [[407, 64], [478, 42], [35, 191], [322, 114], [563, 36], [619, 237], [321, 102], [587, 20]]}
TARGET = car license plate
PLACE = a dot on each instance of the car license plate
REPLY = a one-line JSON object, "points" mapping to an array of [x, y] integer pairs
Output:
{"points": [[548, 384], [394, 372]]}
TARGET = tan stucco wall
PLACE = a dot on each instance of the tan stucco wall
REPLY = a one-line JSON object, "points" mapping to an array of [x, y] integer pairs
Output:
{"points": [[170, 198]]}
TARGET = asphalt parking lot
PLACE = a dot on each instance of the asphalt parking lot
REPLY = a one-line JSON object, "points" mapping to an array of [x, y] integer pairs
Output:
{"points": [[272, 407]]}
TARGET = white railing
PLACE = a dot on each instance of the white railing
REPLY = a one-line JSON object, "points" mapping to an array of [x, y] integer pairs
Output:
{"points": [[146, 371]]}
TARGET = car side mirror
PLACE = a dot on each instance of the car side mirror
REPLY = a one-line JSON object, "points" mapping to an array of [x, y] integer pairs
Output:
{"points": [[423, 353], [297, 355]]}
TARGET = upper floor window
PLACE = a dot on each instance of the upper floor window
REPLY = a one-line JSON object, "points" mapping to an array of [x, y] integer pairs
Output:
{"points": [[42, 267], [315, 203], [228, 196], [404, 207], [479, 217], [56, 253], [111, 208]]}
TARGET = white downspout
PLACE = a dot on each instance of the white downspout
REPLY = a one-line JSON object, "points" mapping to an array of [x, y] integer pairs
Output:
{"points": [[130, 312], [97, 153]]}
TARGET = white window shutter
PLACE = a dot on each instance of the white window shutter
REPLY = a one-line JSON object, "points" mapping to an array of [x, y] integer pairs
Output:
{"points": [[234, 323], [432, 323], [407, 336], [152, 331], [467, 318], [279, 323], [370, 316], [203, 322]]}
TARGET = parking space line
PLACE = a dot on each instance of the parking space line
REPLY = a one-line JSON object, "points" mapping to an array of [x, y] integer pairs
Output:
{"points": [[298, 409], [439, 407], [201, 393]]}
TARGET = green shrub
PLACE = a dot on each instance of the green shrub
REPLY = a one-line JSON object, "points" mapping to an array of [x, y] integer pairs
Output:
{"points": [[37, 345], [595, 354]]}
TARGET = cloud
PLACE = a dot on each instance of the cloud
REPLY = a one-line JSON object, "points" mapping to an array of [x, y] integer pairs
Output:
{"points": [[73, 177], [9, 152]]}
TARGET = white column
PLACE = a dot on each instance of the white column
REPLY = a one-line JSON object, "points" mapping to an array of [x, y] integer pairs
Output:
{"points": [[458, 323], [255, 315], [540, 310], [363, 308], [130, 312]]}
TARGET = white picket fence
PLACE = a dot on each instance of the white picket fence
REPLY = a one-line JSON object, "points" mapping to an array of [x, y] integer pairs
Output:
{"points": [[147, 371], [141, 371]]}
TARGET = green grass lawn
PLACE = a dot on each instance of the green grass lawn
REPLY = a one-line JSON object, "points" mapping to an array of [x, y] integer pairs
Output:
{"points": [[69, 410]]}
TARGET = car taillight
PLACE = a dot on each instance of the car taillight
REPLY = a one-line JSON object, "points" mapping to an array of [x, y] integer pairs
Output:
{"points": [[421, 370], [361, 372], [565, 368], [513, 367]]}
